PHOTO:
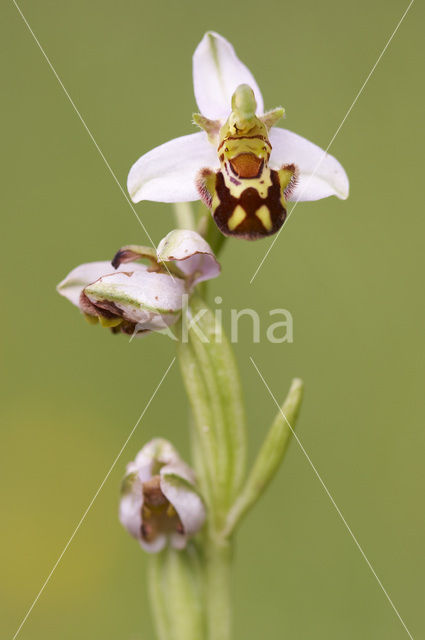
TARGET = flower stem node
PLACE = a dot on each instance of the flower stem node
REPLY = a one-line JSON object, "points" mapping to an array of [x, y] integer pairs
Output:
{"points": [[132, 298], [160, 503]]}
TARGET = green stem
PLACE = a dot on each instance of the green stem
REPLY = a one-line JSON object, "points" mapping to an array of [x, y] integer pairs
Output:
{"points": [[184, 215], [204, 439], [157, 599], [217, 576], [176, 591], [212, 383], [208, 228], [211, 379], [216, 363]]}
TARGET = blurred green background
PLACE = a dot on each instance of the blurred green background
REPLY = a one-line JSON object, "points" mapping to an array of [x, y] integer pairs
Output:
{"points": [[351, 273]]}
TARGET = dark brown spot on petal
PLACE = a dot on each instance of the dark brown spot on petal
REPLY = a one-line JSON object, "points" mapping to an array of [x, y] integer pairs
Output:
{"points": [[124, 255]]}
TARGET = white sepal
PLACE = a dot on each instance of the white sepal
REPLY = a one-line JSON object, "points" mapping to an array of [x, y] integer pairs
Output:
{"points": [[319, 174], [149, 299], [168, 172], [83, 275], [217, 71], [130, 510], [158, 451], [193, 254], [181, 493]]}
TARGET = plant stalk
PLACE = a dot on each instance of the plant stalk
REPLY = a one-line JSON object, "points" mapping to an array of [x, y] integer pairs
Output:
{"points": [[217, 589]]}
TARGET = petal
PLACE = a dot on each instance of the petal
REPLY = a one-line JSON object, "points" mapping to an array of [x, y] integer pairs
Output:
{"points": [[184, 498], [192, 252], [167, 173], [72, 286], [178, 540], [130, 509], [180, 469], [151, 300], [217, 71], [157, 450], [83, 275], [320, 174], [156, 545], [143, 469]]}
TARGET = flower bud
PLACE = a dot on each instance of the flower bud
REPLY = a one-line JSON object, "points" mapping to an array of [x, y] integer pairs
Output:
{"points": [[160, 503], [131, 299]]}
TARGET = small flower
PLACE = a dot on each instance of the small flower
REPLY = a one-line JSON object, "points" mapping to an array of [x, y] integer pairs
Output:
{"points": [[160, 502], [242, 166], [133, 298]]}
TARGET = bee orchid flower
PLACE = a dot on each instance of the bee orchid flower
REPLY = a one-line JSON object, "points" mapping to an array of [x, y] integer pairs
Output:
{"points": [[241, 165], [133, 298], [160, 503]]}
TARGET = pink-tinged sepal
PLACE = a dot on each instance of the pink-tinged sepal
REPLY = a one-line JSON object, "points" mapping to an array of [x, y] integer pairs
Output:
{"points": [[160, 503], [133, 298], [191, 254]]}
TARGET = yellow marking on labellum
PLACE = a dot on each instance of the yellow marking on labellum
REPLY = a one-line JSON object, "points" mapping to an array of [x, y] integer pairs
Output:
{"points": [[110, 322], [263, 214], [246, 197], [260, 184], [285, 175], [91, 319], [236, 218], [171, 512]]}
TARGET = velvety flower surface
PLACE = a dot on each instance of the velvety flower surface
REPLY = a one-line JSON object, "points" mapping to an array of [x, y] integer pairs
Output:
{"points": [[169, 173], [160, 503]]}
